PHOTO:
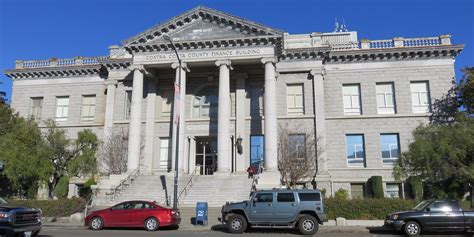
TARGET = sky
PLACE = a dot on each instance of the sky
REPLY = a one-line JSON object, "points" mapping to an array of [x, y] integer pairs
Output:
{"points": [[42, 29]]}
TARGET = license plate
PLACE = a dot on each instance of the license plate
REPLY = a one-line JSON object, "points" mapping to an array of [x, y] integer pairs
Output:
{"points": [[28, 234]]}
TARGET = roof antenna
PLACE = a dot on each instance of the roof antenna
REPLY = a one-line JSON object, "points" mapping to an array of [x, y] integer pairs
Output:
{"points": [[343, 26], [336, 23]]}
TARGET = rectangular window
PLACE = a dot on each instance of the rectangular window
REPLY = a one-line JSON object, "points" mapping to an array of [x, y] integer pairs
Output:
{"points": [[420, 97], [295, 99], [264, 197], [351, 97], [256, 150], [166, 103], [62, 108], [305, 197], [385, 98], [392, 190], [355, 150], [164, 148], [357, 190], [285, 197], [88, 108], [128, 103], [390, 148], [36, 107], [256, 101], [297, 146]]}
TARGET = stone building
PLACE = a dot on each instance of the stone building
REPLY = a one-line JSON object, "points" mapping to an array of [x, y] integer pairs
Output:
{"points": [[241, 82]]}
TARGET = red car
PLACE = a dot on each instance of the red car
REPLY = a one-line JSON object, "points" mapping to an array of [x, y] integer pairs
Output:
{"points": [[133, 214]]}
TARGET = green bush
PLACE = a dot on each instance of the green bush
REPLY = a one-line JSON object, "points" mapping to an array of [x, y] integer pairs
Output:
{"points": [[62, 188], [341, 194], [85, 191], [54, 208], [365, 209], [416, 187], [376, 187]]}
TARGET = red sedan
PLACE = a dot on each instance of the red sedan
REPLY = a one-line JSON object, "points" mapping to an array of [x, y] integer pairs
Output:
{"points": [[133, 214]]}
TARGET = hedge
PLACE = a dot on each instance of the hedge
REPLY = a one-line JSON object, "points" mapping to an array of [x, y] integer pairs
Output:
{"points": [[54, 208], [365, 209]]}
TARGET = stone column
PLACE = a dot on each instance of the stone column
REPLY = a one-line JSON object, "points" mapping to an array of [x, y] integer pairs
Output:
{"points": [[320, 119], [134, 131], [270, 113], [109, 107], [150, 125], [240, 131], [223, 119], [182, 116]]}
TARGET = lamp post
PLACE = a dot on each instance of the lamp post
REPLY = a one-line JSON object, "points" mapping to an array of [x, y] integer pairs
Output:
{"points": [[176, 118]]}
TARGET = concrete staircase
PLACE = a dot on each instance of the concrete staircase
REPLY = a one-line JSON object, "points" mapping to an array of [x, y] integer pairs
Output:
{"points": [[217, 189]]}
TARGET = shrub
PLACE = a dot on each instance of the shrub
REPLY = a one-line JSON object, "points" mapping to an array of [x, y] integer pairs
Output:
{"points": [[376, 187], [341, 194], [54, 208], [365, 209], [85, 191], [416, 187], [62, 188]]}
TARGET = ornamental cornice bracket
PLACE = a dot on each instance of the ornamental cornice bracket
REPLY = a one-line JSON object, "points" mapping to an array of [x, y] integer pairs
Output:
{"points": [[184, 65], [226, 62]]}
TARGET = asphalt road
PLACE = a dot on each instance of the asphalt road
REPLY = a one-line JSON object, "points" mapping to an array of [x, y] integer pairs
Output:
{"points": [[59, 231]]}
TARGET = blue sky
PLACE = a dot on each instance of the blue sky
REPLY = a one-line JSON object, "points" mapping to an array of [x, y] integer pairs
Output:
{"points": [[41, 29]]}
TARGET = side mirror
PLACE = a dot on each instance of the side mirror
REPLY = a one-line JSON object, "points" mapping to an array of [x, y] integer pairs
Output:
{"points": [[255, 200], [428, 209]]}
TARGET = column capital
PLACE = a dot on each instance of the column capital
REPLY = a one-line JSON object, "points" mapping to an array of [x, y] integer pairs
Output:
{"points": [[268, 60], [227, 63], [139, 67], [318, 72], [111, 81], [184, 65]]}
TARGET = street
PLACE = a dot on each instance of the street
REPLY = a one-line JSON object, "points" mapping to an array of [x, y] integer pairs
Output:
{"points": [[77, 231]]}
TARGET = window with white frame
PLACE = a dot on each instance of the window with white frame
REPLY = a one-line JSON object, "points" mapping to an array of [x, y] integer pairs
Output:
{"points": [[166, 102], [62, 108], [420, 97], [295, 99], [385, 98], [88, 108], [164, 151], [128, 104], [297, 146], [389, 147], [256, 100], [351, 97], [392, 190], [36, 107], [355, 150]]}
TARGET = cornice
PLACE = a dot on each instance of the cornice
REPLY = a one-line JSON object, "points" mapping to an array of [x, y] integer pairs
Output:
{"points": [[55, 72]]}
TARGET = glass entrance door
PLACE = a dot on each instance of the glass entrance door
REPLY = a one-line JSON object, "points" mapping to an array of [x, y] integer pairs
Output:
{"points": [[206, 155]]}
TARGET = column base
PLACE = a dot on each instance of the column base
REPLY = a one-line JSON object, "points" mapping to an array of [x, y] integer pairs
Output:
{"points": [[269, 180]]}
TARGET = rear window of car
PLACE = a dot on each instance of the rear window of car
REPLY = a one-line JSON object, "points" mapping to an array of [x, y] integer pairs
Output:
{"points": [[308, 197], [285, 197]]}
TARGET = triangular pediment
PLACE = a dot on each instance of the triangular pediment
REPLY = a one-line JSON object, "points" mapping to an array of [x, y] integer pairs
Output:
{"points": [[202, 23]]}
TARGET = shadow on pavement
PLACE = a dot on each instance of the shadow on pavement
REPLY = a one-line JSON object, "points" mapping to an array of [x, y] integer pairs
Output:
{"points": [[383, 230], [223, 228]]}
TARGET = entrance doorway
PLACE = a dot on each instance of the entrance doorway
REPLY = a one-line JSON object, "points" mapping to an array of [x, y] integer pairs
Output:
{"points": [[206, 155]]}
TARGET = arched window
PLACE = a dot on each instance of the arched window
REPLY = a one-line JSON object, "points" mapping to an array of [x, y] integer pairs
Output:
{"points": [[205, 102]]}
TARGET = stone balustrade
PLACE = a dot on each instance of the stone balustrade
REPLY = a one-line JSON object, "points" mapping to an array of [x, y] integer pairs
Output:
{"points": [[54, 62]]}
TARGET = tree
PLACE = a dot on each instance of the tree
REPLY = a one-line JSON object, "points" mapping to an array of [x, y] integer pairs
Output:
{"points": [[67, 157], [21, 149], [466, 90], [298, 156], [440, 154], [113, 152]]}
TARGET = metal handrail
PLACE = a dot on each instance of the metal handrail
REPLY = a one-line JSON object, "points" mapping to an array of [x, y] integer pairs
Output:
{"points": [[125, 182], [255, 178], [189, 184], [88, 206]]}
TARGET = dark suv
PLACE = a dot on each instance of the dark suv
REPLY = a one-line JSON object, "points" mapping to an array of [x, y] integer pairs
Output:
{"points": [[16, 220], [276, 209]]}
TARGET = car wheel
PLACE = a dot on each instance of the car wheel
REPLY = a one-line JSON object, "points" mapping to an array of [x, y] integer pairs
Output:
{"points": [[96, 223], [236, 224], [152, 224], [308, 225], [412, 228]]}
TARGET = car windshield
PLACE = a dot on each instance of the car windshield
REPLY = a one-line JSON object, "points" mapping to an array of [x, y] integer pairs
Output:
{"points": [[421, 205], [3, 201]]}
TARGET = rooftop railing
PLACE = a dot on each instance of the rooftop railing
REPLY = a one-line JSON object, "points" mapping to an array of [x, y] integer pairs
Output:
{"points": [[55, 62]]}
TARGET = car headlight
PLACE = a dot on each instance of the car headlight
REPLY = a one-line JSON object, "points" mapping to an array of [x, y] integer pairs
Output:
{"points": [[4, 215], [395, 217]]}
